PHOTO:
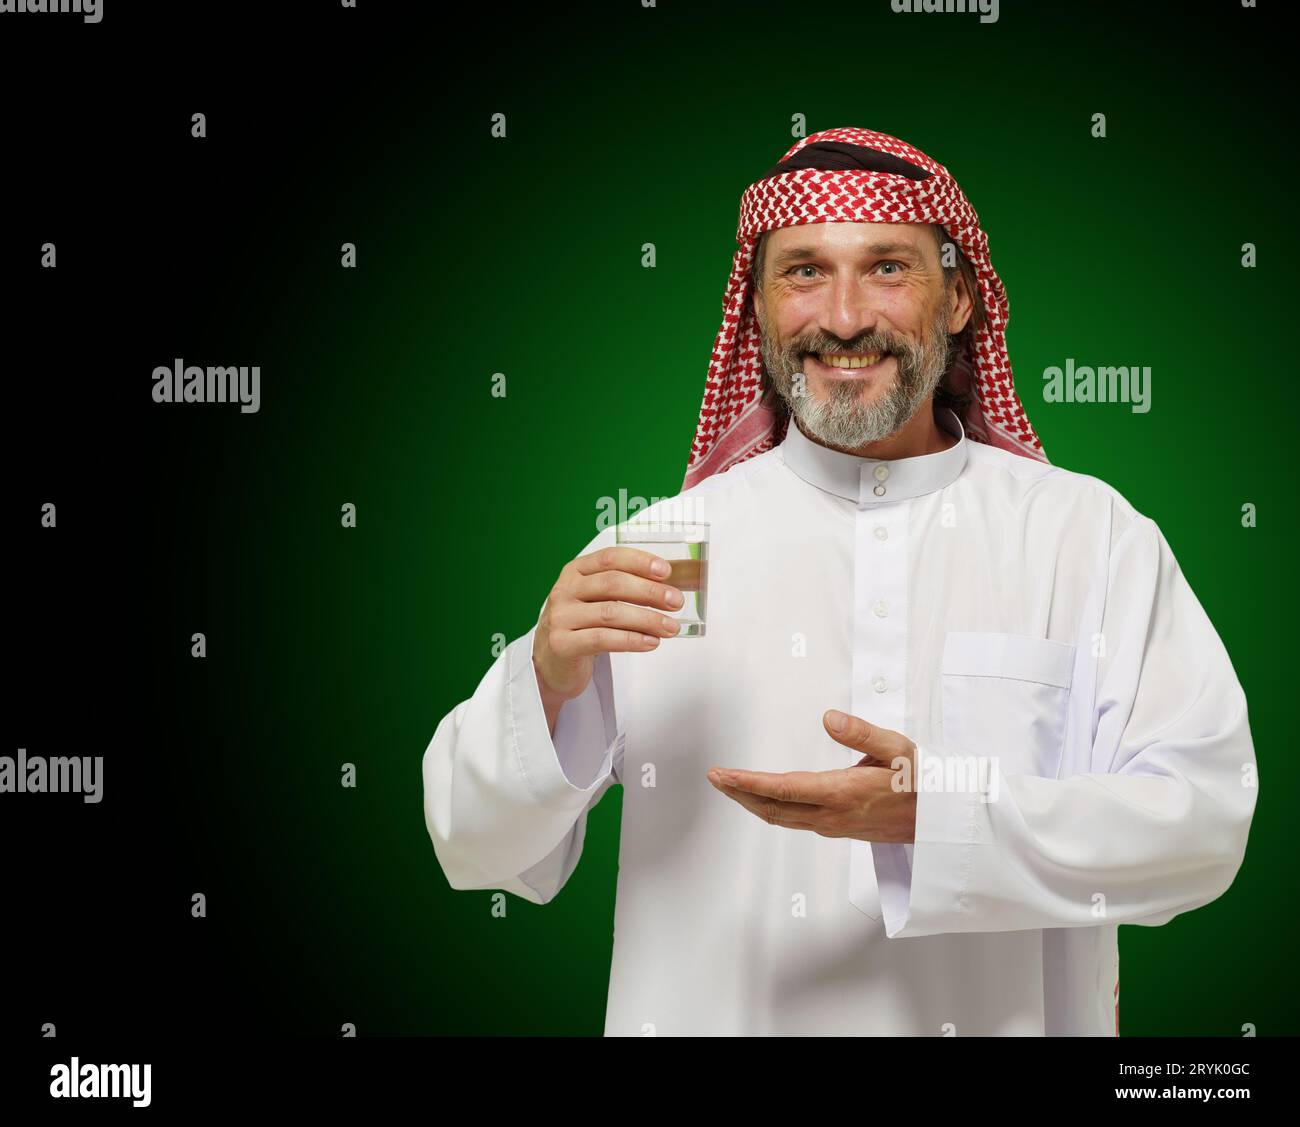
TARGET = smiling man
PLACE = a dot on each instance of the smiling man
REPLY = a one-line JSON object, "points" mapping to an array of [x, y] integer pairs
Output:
{"points": [[860, 395], [958, 713]]}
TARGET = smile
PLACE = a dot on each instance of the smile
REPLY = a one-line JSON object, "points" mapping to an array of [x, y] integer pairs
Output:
{"points": [[836, 364]]}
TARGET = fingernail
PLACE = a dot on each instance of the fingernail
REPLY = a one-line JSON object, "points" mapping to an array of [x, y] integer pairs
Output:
{"points": [[674, 597], [660, 567], [836, 720]]}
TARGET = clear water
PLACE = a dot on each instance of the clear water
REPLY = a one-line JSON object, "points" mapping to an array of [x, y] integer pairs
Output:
{"points": [[690, 575]]}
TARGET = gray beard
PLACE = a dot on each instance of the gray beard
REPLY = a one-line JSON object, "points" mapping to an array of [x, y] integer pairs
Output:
{"points": [[841, 419]]}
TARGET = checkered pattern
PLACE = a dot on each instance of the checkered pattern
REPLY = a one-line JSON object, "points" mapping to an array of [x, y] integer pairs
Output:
{"points": [[733, 423]]}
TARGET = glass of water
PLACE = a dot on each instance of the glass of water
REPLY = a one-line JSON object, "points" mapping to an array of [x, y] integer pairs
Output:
{"points": [[685, 545]]}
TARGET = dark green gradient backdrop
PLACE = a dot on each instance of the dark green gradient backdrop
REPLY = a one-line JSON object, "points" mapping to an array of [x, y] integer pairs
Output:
{"points": [[522, 256]]}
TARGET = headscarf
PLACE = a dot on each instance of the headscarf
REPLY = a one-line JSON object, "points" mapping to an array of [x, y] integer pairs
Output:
{"points": [[851, 176]]}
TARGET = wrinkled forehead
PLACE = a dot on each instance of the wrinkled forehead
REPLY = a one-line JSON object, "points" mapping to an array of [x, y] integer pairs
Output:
{"points": [[853, 238]]}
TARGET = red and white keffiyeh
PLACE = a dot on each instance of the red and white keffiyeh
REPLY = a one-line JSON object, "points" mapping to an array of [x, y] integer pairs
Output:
{"points": [[734, 425]]}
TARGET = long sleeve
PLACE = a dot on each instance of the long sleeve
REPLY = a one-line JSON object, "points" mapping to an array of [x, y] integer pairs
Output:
{"points": [[1159, 824], [504, 803]]}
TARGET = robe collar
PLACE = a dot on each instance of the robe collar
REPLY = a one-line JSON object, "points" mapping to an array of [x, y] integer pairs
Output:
{"points": [[873, 481]]}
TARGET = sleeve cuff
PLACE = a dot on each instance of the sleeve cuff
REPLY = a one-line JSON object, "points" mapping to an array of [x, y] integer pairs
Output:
{"points": [[923, 885], [580, 756]]}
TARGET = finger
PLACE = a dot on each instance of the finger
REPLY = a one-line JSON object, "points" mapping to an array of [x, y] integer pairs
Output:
{"points": [[635, 560], [605, 585], [569, 644], [575, 615], [811, 788], [881, 744], [791, 815]]}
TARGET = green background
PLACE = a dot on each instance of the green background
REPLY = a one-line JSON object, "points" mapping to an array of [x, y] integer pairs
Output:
{"points": [[522, 256]]}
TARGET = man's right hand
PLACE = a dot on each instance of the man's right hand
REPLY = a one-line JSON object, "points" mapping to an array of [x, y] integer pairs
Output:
{"points": [[588, 612]]}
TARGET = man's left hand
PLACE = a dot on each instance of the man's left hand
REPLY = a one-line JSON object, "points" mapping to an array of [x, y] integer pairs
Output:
{"points": [[859, 801]]}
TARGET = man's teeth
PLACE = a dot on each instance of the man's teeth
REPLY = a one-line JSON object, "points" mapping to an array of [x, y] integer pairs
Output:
{"points": [[834, 360]]}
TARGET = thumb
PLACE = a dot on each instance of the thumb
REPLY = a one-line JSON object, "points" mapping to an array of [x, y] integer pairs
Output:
{"points": [[856, 734]]}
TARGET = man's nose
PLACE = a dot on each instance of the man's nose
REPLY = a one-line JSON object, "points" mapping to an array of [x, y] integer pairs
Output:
{"points": [[849, 313]]}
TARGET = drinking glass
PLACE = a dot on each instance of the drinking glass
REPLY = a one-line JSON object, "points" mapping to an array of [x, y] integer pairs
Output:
{"points": [[685, 545]]}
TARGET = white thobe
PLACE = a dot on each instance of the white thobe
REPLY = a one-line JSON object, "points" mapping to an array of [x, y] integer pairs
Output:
{"points": [[995, 610]]}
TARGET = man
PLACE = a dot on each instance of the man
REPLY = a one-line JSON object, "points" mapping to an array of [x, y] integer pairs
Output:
{"points": [[957, 714]]}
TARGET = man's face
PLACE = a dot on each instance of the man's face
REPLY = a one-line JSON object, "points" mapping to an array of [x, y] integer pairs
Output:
{"points": [[837, 296]]}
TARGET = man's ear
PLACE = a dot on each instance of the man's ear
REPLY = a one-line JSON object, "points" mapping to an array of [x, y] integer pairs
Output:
{"points": [[960, 303]]}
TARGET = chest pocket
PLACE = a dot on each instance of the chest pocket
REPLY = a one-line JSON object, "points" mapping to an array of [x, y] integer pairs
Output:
{"points": [[1006, 696]]}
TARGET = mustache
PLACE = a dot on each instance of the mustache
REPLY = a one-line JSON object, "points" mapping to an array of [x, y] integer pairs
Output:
{"points": [[871, 343]]}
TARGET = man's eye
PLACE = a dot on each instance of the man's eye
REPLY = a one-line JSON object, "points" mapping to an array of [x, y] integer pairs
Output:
{"points": [[806, 266]]}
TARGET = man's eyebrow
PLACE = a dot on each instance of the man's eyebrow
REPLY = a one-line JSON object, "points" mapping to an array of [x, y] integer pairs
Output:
{"points": [[874, 249]]}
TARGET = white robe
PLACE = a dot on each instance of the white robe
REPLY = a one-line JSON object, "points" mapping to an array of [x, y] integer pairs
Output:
{"points": [[979, 602]]}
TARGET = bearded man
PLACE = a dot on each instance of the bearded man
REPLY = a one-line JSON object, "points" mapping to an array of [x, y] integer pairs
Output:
{"points": [[899, 584]]}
